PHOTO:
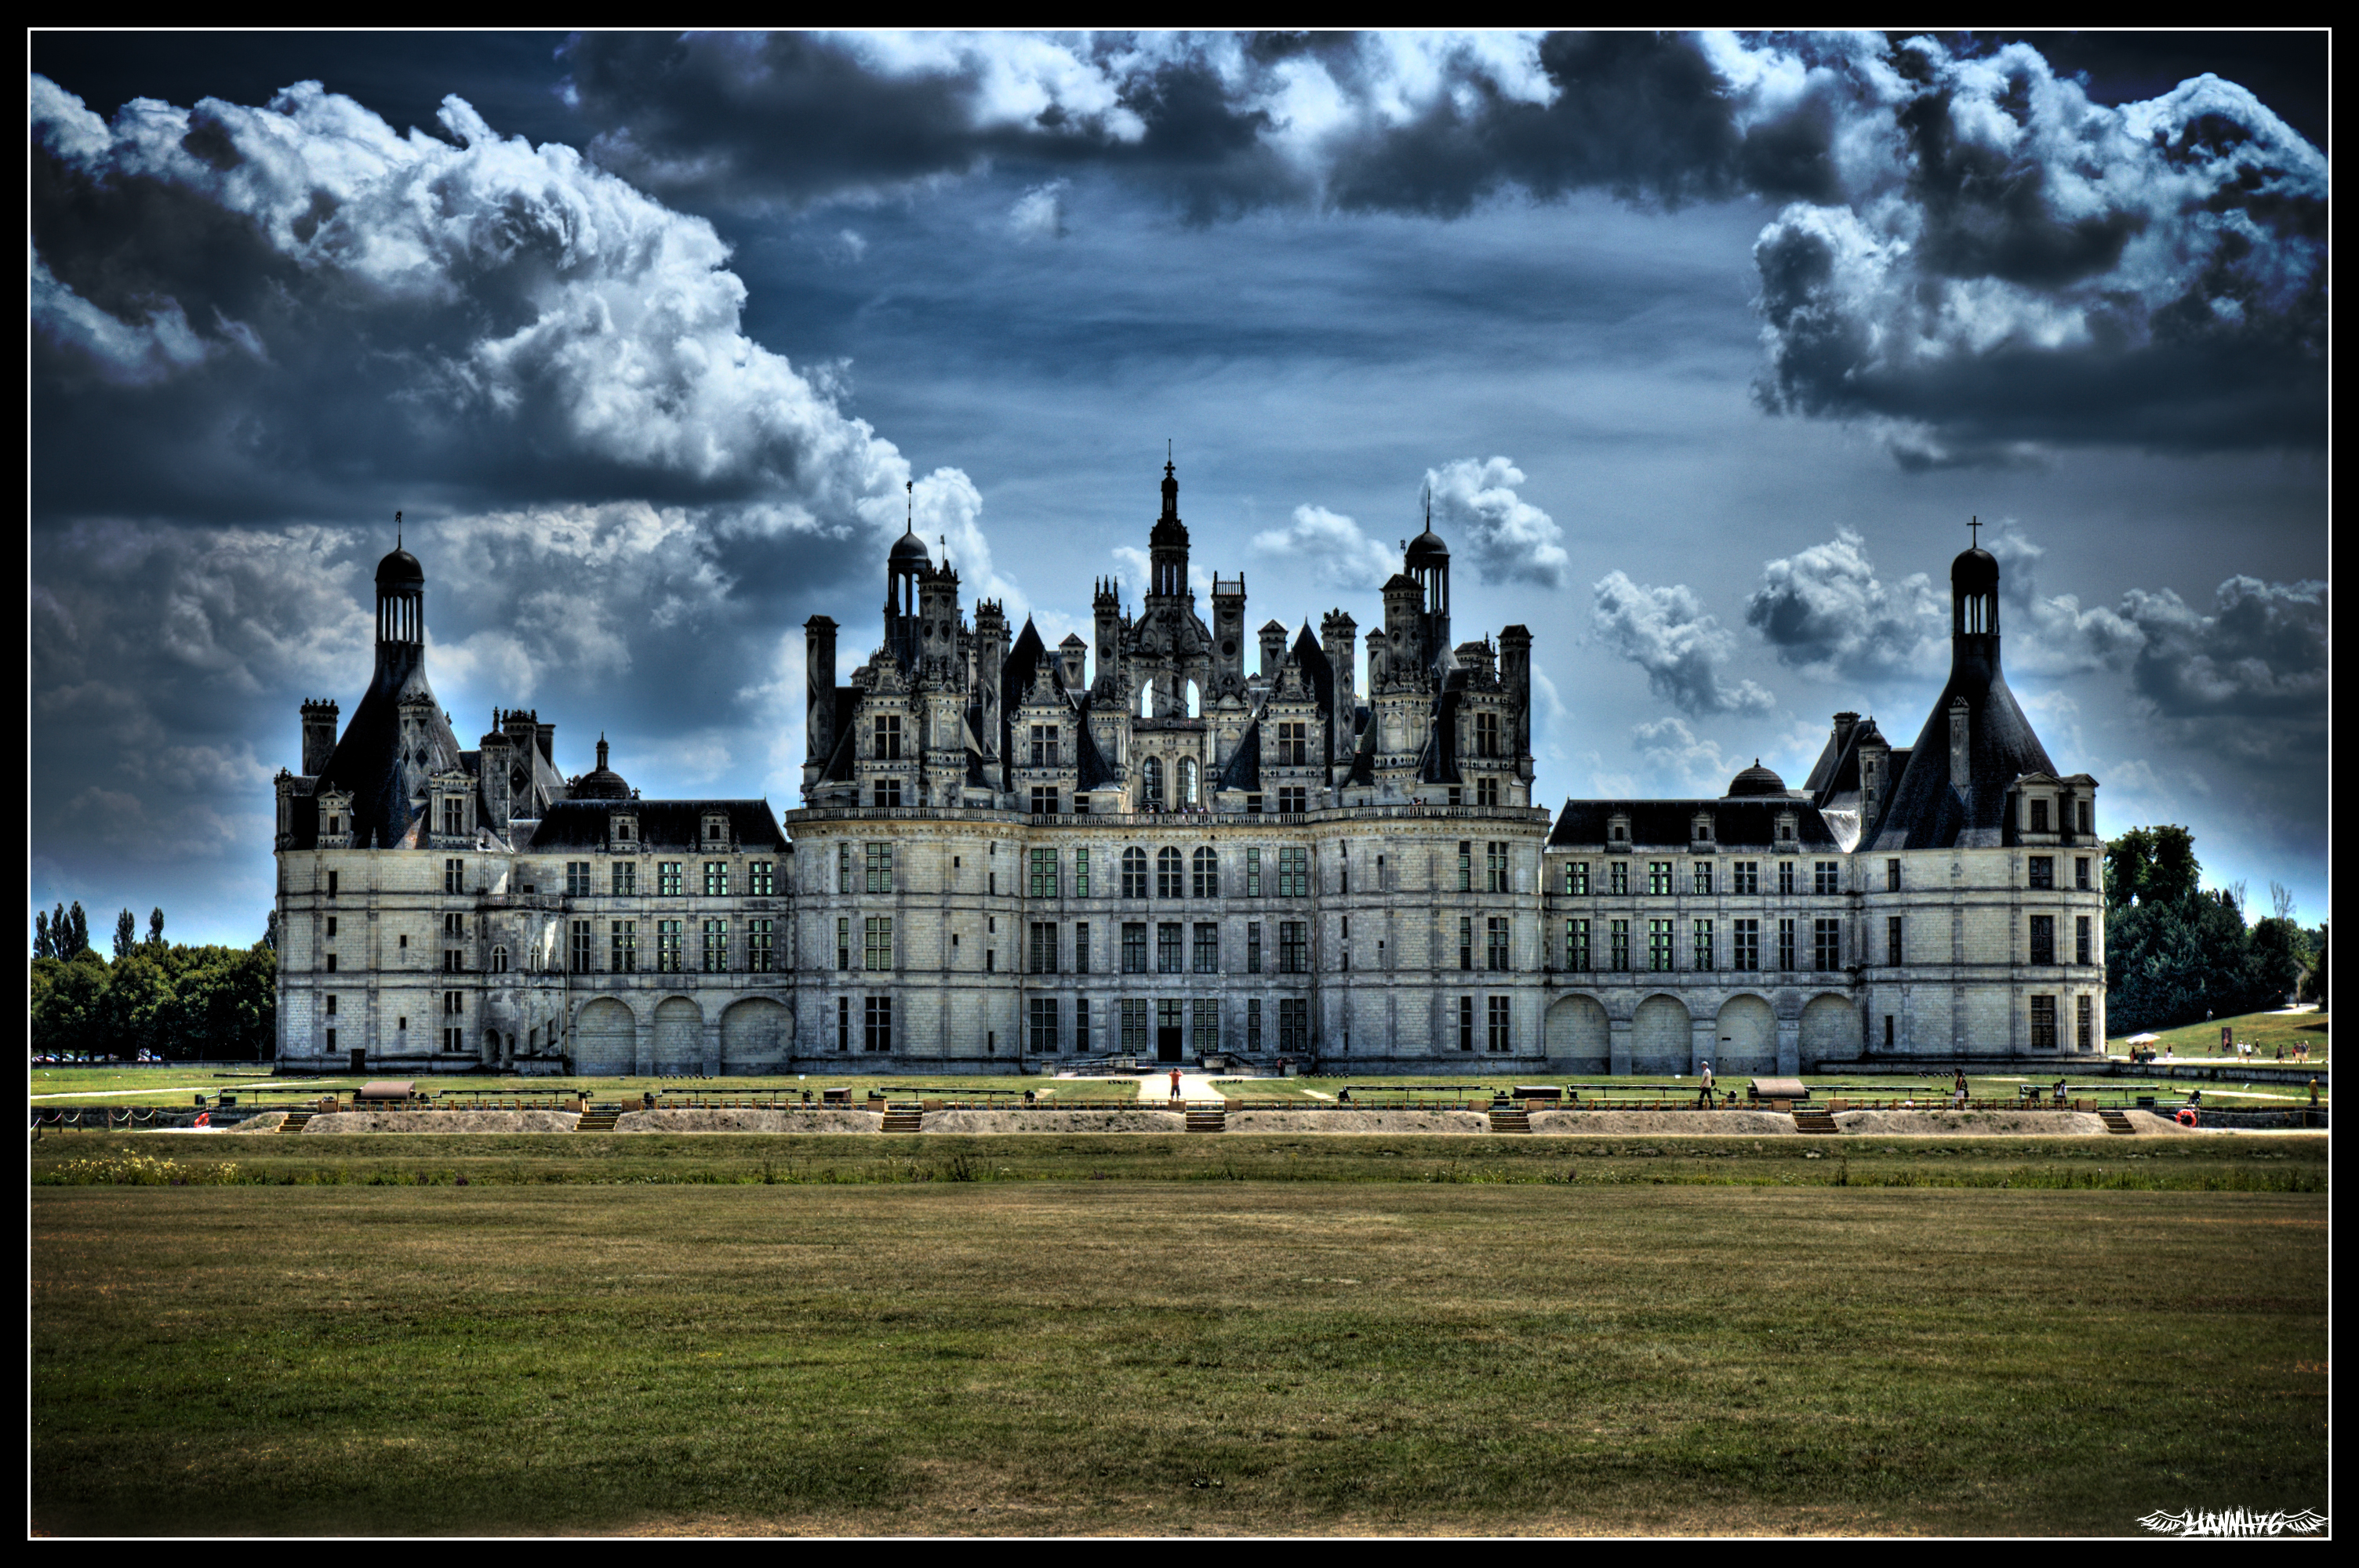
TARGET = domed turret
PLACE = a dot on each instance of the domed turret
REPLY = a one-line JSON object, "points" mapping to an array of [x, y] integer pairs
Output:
{"points": [[601, 782], [1426, 548], [910, 550], [1754, 781], [400, 569]]}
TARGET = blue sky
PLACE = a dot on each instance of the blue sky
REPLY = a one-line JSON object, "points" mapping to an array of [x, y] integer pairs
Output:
{"points": [[1709, 346]]}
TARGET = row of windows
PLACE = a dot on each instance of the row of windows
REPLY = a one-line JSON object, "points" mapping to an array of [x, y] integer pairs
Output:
{"points": [[755, 952], [1662, 945], [1662, 878], [1141, 1025], [671, 878], [2037, 809], [1175, 876]]}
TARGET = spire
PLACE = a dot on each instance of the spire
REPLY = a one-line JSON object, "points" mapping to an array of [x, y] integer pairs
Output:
{"points": [[908, 506], [601, 750], [396, 530]]}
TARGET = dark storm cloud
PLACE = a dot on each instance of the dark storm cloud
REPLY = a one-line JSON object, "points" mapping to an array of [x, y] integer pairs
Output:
{"points": [[1683, 648], [1976, 256]]}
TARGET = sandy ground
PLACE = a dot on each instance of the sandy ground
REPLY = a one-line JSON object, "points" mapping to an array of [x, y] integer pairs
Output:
{"points": [[2148, 1121], [444, 1122], [1907, 1123], [1750, 1123], [1359, 1121], [1140, 1121], [748, 1121]]}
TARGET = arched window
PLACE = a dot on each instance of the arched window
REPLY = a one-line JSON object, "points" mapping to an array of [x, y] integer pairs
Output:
{"points": [[1195, 701], [499, 960], [1150, 780], [1207, 874], [1147, 698], [1187, 782], [1168, 882], [1134, 872]]}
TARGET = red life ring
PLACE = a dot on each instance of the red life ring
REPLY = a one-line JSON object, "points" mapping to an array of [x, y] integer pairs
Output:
{"points": [[2186, 1117]]}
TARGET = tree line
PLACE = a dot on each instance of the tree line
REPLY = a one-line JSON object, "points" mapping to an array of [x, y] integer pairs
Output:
{"points": [[179, 1002], [2178, 953]]}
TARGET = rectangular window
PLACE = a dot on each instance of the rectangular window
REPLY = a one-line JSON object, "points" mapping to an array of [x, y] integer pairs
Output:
{"points": [[2085, 817], [454, 877], [843, 867], [1044, 873], [2041, 870], [1498, 1041], [1168, 877], [332, 884], [1252, 1024], [1293, 948], [2043, 1023], [1465, 942], [758, 957], [2040, 817], [1486, 734], [582, 951], [453, 960], [1294, 873], [2043, 939], [626, 879], [1081, 948], [1786, 878], [1040, 952], [761, 878], [1703, 955], [577, 879], [1746, 877], [1618, 937], [454, 815], [716, 879], [1253, 947], [1827, 877], [1294, 745], [1044, 746], [1826, 943], [1133, 947], [1892, 948], [1044, 800], [331, 963], [667, 946], [888, 738], [1134, 872], [1785, 943], [844, 1023], [1892, 876], [1133, 1027], [667, 879], [1703, 877], [1618, 883], [1294, 798], [880, 866], [623, 947], [843, 944], [1040, 1020], [877, 1030], [1167, 948], [2080, 939], [1576, 879], [1658, 877], [1658, 945], [876, 942], [1253, 873], [1466, 1024], [1293, 1024], [1494, 946], [1081, 873], [1205, 875], [2081, 873], [1576, 944], [1466, 865], [331, 1041], [1495, 868], [1745, 944], [1205, 1025], [2084, 1022], [1204, 957], [716, 946], [1082, 1025], [1487, 791], [453, 1003]]}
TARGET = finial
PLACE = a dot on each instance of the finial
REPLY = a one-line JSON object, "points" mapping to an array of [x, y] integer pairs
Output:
{"points": [[1973, 532], [910, 506], [396, 530]]}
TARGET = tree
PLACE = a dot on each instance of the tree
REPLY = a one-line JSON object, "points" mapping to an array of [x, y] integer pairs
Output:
{"points": [[2281, 901], [2273, 963], [270, 932], [127, 933], [77, 930], [42, 947], [66, 1014], [155, 928]]}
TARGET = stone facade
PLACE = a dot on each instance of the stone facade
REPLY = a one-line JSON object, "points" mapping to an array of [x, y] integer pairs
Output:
{"points": [[1008, 856]]}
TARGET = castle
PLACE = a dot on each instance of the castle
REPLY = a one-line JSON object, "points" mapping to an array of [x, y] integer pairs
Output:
{"points": [[1180, 850]]}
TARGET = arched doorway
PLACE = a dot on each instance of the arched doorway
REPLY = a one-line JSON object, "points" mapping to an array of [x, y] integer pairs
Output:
{"points": [[1830, 1031], [606, 1041], [753, 1036], [679, 1039], [1577, 1038], [1747, 1040], [1660, 1040]]}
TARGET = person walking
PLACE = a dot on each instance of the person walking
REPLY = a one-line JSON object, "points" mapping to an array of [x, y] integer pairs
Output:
{"points": [[1704, 1095]]}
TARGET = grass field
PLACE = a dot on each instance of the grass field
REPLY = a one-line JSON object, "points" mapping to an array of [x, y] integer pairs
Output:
{"points": [[2267, 1030], [1147, 1358]]}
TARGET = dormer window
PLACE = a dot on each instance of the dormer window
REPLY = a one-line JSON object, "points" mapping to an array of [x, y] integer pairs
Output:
{"points": [[2040, 817], [716, 829], [1785, 829], [623, 829], [1617, 831], [1704, 829]]}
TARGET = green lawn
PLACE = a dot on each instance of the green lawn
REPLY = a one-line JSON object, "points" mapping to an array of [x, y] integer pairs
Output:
{"points": [[2267, 1030], [1138, 1358]]}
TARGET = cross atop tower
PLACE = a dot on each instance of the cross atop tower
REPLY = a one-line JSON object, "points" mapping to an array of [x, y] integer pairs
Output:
{"points": [[1974, 534]]}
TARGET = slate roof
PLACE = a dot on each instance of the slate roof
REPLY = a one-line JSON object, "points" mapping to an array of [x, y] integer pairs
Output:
{"points": [[1748, 824], [663, 824], [367, 761], [1926, 813]]}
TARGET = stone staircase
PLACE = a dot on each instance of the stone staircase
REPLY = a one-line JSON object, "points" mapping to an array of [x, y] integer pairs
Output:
{"points": [[1510, 1118], [598, 1118], [904, 1119], [1808, 1120], [1207, 1118], [296, 1120], [2118, 1121]]}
